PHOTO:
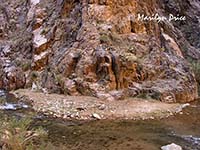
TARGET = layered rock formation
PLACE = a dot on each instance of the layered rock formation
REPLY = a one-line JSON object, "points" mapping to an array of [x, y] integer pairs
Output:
{"points": [[97, 48]]}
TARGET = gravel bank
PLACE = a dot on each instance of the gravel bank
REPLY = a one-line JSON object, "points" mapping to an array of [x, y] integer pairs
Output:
{"points": [[86, 108]]}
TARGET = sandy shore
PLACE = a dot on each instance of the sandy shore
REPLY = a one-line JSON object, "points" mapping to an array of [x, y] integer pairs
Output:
{"points": [[86, 108]]}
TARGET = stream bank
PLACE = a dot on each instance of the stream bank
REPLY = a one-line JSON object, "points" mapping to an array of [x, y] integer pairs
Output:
{"points": [[87, 108], [118, 134]]}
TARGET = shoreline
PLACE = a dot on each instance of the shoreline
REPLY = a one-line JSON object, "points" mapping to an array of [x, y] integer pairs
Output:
{"points": [[90, 108]]}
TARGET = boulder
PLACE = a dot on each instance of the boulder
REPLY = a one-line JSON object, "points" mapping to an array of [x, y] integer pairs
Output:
{"points": [[171, 147], [11, 77]]}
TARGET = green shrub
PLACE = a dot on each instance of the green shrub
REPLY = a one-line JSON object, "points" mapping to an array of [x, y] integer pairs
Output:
{"points": [[116, 38], [104, 38], [143, 96], [59, 79], [34, 75], [26, 66], [129, 57], [16, 134]]}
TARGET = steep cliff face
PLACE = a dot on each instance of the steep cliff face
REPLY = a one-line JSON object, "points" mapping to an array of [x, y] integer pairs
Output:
{"points": [[99, 48]]}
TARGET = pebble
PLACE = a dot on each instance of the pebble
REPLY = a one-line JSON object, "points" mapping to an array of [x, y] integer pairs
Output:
{"points": [[102, 107], [181, 113], [96, 116], [34, 87]]}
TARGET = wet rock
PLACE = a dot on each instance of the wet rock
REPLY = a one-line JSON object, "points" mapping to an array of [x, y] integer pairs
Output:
{"points": [[10, 106], [171, 147], [9, 101]]}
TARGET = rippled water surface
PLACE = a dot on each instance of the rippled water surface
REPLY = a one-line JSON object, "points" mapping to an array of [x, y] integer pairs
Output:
{"points": [[182, 129]]}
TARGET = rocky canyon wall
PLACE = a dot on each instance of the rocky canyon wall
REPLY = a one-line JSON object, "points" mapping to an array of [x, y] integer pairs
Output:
{"points": [[98, 48]]}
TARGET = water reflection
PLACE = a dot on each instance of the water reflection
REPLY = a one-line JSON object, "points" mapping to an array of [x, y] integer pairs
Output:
{"points": [[182, 129]]}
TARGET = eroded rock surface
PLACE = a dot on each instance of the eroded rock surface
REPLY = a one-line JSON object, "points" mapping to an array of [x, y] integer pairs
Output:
{"points": [[96, 48]]}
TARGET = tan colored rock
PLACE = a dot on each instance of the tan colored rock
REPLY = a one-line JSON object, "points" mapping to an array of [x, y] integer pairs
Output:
{"points": [[173, 45], [70, 87], [39, 39], [40, 42], [96, 47]]}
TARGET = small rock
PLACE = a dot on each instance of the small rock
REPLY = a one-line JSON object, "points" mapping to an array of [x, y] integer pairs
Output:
{"points": [[39, 39], [152, 117], [185, 105], [45, 91], [180, 108], [171, 147], [96, 116], [118, 95], [105, 96], [181, 113], [34, 87], [35, 2], [65, 116], [102, 107]]}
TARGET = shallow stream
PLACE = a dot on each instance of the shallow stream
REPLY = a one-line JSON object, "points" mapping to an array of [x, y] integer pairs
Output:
{"points": [[182, 129]]}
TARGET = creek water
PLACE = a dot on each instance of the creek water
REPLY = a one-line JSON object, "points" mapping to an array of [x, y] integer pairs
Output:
{"points": [[182, 129]]}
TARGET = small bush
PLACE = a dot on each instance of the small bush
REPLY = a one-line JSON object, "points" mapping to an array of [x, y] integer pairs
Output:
{"points": [[17, 135], [132, 49], [104, 38], [116, 38], [26, 66], [59, 79], [143, 96], [34, 75], [129, 57]]}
